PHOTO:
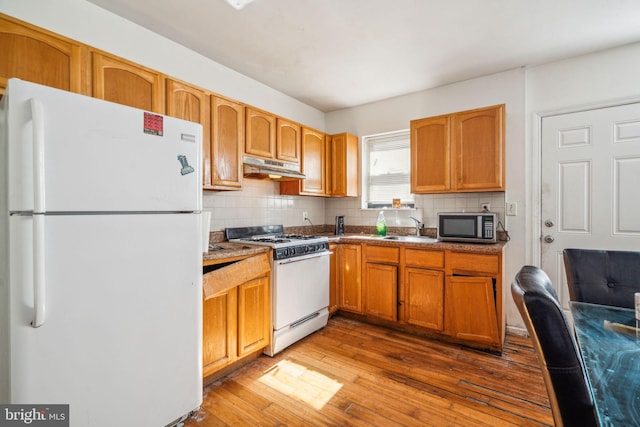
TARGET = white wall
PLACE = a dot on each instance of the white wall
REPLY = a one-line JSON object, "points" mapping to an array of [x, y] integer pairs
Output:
{"points": [[259, 203]]}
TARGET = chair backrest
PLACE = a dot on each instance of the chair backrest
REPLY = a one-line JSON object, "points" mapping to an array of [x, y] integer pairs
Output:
{"points": [[602, 277], [562, 368]]}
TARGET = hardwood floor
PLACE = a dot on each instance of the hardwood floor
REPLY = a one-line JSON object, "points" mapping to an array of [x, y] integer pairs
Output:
{"points": [[352, 373]]}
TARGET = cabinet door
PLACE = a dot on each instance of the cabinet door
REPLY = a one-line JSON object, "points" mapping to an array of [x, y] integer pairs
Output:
{"points": [[424, 304], [39, 56], [126, 83], [333, 278], [343, 165], [350, 278], [227, 144], [430, 155], [219, 331], [260, 133], [191, 103], [471, 305], [381, 291], [254, 316], [288, 138], [478, 149], [313, 162]]}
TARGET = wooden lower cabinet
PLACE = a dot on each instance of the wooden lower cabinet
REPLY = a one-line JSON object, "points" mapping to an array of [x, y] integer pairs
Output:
{"points": [[253, 316], [333, 278], [471, 302], [381, 281], [236, 320], [219, 331], [381, 291], [455, 294], [424, 298], [350, 278]]}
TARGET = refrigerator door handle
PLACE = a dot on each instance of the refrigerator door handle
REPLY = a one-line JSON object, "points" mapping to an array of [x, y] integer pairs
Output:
{"points": [[38, 214], [38, 271], [37, 117]]}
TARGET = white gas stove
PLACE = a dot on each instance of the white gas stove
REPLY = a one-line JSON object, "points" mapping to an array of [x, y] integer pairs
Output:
{"points": [[299, 281]]}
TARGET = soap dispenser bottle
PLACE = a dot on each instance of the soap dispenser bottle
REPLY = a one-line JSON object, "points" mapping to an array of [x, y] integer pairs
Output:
{"points": [[381, 226]]}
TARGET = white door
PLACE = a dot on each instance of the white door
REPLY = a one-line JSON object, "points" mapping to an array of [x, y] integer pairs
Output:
{"points": [[590, 185]]}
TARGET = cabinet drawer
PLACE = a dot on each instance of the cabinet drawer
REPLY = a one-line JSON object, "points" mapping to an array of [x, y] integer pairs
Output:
{"points": [[475, 263], [422, 258], [382, 254]]}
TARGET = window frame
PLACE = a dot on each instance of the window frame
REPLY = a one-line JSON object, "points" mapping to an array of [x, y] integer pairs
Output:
{"points": [[367, 141]]}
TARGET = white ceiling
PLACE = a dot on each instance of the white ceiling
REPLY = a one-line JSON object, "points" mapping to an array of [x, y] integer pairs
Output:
{"points": [[333, 54]]}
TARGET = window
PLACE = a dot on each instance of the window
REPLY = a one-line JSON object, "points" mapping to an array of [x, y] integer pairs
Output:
{"points": [[386, 171]]}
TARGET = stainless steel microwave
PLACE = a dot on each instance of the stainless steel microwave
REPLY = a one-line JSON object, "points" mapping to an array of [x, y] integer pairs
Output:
{"points": [[473, 227]]}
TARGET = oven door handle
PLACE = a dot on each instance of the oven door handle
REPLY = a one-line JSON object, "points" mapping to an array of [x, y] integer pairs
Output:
{"points": [[302, 258]]}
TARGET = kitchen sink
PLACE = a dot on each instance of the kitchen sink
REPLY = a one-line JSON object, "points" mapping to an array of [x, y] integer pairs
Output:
{"points": [[411, 239]]}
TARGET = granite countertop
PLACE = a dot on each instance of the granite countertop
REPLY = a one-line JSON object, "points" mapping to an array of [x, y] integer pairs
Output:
{"points": [[427, 244], [221, 251]]}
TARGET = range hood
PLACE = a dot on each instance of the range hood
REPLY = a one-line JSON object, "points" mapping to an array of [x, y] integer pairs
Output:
{"points": [[274, 169]]}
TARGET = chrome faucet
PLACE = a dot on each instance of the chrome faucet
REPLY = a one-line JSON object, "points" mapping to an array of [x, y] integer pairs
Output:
{"points": [[419, 225]]}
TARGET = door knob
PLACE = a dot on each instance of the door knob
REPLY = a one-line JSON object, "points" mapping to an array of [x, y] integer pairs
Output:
{"points": [[549, 223], [549, 238]]}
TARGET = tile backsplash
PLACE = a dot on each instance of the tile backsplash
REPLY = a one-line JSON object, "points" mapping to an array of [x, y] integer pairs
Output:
{"points": [[426, 208], [260, 203]]}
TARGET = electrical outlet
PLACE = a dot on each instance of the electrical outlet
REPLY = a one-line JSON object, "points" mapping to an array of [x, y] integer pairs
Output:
{"points": [[485, 206], [305, 216], [511, 209]]}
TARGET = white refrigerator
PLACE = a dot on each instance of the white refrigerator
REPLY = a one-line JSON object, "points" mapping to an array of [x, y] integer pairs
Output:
{"points": [[100, 258]]}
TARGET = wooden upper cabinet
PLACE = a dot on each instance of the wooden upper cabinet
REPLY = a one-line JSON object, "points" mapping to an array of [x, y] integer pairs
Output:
{"points": [[288, 135], [186, 102], [343, 165], [227, 144], [313, 166], [39, 56], [191, 103], [430, 155], [313, 162], [260, 136], [478, 149], [460, 152], [123, 82]]}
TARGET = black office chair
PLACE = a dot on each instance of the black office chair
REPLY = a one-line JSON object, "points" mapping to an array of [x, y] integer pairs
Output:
{"points": [[602, 277], [562, 367]]}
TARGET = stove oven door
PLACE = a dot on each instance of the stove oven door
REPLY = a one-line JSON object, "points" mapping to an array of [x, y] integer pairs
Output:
{"points": [[300, 288]]}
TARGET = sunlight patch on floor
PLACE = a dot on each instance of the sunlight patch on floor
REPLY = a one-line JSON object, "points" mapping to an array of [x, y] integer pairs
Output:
{"points": [[301, 383]]}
